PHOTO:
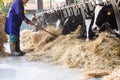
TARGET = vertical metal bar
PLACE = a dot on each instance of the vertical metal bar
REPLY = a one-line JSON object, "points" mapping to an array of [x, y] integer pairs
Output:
{"points": [[82, 10], [40, 4], [117, 13], [50, 3]]}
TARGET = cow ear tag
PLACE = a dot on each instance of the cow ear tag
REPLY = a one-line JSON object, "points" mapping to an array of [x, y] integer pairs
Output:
{"points": [[109, 13]]}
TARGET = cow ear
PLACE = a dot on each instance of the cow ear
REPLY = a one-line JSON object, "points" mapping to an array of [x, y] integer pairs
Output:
{"points": [[108, 13]]}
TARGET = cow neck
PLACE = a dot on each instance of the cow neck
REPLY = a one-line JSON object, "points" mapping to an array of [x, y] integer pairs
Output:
{"points": [[96, 12]]}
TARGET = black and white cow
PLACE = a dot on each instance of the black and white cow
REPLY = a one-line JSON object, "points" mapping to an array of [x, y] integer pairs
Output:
{"points": [[55, 18], [58, 18], [104, 15], [72, 22], [41, 17], [44, 19]]}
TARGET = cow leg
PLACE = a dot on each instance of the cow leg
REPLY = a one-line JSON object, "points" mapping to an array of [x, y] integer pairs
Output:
{"points": [[87, 22]]}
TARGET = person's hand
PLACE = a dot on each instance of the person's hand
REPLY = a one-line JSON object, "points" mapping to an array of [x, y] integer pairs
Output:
{"points": [[31, 23]]}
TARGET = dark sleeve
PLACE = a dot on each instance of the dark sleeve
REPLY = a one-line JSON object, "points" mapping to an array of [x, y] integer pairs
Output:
{"points": [[19, 9], [27, 20]]}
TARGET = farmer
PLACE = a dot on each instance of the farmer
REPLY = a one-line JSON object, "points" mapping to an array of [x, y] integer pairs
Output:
{"points": [[12, 26]]}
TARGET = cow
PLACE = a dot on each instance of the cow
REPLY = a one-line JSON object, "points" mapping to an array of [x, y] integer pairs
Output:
{"points": [[42, 20], [38, 21], [72, 23], [55, 18], [41, 17], [104, 19], [69, 18]]}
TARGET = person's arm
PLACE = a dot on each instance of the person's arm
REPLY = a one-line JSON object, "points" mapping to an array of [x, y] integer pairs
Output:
{"points": [[19, 8], [28, 21]]}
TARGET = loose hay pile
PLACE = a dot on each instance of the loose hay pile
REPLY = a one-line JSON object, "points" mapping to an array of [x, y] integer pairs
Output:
{"points": [[3, 37], [32, 41], [115, 75], [2, 22], [70, 51]]}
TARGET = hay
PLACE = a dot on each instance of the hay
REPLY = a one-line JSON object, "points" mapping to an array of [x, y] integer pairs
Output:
{"points": [[85, 77], [33, 41], [97, 73], [2, 36], [70, 51], [115, 75], [2, 22]]}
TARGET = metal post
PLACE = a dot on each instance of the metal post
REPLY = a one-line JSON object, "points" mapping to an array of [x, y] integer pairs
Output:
{"points": [[40, 4], [116, 10], [50, 3]]}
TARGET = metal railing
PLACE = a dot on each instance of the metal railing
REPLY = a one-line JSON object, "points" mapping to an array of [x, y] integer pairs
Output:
{"points": [[82, 5]]}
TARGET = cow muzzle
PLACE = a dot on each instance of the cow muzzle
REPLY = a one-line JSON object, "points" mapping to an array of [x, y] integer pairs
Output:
{"points": [[95, 29]]}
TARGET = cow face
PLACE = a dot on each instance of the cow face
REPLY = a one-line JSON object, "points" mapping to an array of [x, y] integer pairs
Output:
{"points": [[34, 18], [70, 25], [37, 19], [52, 18], [104, 14]]}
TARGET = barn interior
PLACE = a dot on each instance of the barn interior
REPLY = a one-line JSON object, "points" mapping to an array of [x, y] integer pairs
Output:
{"points": [[50, 55]]}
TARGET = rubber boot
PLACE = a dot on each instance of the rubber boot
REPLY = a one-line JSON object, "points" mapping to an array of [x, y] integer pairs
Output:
{"points": [[18, 47], [13, 50]]}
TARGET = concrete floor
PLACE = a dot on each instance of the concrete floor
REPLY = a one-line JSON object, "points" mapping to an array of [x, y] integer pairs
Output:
{"points": [[17, 68], [13, 68]]}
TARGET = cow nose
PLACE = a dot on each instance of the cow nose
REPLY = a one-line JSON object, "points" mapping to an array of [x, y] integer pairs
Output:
{"points": [[94, 29]]}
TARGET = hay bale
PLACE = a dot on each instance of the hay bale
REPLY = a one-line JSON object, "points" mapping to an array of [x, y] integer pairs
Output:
{"points": [[33, 41], [2, 36], [115, 75], [2, 23]]}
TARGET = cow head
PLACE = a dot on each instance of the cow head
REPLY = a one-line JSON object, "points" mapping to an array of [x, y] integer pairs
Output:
{"points": [[37, 19], [106, 15], [34, 18], [53, 17], [103, 15]]}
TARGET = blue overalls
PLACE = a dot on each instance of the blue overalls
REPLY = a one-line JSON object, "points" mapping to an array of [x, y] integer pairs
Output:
{"points": [[14, 20]]}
